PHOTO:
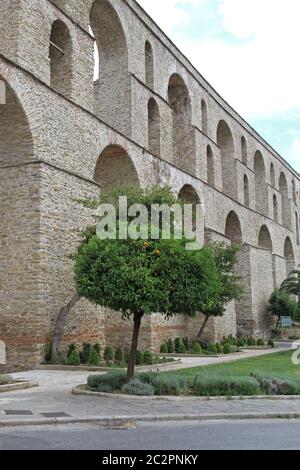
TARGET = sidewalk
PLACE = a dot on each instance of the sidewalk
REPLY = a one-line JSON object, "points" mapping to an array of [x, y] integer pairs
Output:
{"points": [[52, 402]]}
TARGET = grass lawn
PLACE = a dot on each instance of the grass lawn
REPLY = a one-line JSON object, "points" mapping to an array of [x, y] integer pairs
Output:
{"points": [[279, 364]]}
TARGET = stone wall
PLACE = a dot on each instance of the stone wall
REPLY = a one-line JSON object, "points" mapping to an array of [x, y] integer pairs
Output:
{"points": [[58, 144]]}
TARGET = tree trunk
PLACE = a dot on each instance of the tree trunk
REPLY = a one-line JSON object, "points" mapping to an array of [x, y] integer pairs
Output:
{"points": [[60, 325], [135, 338], [199, 336]]}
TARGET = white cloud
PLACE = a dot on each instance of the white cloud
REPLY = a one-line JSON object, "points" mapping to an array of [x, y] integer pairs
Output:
{"points": [[168, 13], [259, 76]]}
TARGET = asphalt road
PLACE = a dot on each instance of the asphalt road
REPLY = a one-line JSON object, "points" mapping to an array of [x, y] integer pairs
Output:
{"points": [[212, 435]]}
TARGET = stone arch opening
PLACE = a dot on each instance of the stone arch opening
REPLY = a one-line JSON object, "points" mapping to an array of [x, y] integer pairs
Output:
{"points": [[60, 54], [286, 211], [261, 192], [289, 256], [189, 195], [153, 127], [272, 175], [233, 229], [149, 67], [275, 208], [183, 141], [226, 144], [115, 168], [112, 90], [264, 239], [16, 143], [210, 166], [246, 191], [244, 148], [204, 114]]}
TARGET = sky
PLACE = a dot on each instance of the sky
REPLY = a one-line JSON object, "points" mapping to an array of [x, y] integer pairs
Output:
{"points": [[248, 50]]}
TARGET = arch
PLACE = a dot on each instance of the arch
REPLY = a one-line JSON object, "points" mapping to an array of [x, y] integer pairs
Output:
{"points": [[153, 127], [275, 208], [264, 239], [233, 229], [261, 192], [183, 141], [225, 142], [60, 54], [286, 210], [189, 195], [246, 191], [16, 142], [115, 168], [149, 68], [210, 166], [113, 89], [244, 148], [289, 256], [272, 175], [297, 228], [204, 117]]}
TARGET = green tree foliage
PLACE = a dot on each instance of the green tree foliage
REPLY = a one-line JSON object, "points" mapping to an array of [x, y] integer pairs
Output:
{"points": [[139, 277], [292, 287], [280, 305], [226, 259]]}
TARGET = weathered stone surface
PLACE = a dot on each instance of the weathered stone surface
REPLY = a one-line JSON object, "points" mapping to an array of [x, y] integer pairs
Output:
{"points": [[149, 118]]}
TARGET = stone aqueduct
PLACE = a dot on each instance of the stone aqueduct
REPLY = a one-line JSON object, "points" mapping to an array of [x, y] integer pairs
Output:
{"points": [[148, 118]]}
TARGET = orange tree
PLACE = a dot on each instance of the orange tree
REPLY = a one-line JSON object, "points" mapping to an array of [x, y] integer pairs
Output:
{"points": [[141, 277]]}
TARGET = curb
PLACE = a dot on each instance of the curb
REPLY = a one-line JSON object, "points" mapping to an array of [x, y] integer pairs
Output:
{"points": [[17, 386], [113, 421], [79, 390], [156, 367]]}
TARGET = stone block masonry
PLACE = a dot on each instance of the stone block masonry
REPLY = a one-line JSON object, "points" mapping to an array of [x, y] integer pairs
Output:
{"points": [[141, 114]]}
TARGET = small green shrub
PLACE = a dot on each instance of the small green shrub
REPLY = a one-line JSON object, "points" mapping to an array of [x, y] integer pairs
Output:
{"points": [[207, 384], [126, 356], [71, 349], [260, 342], [97, 348], [73, 359], [48, 352], [278, 385], [176, 345], [5, 379], [271, 343], [139, 358], [181, 347], [241, 343], [219, 348], [85, 353], [197, 348], [212, 349], [108, 354], [171, 347], [251, 342], [164, 348], [138, 388], [119, 356], [165, 385], [227, 348], [148, 358], [94, 358], [114, 379]]}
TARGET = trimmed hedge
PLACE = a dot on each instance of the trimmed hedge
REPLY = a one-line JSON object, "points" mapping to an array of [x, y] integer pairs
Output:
{"points": [[221, 385], [138, 388]]}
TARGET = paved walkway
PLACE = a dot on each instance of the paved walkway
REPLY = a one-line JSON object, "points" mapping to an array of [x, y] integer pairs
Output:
{"points": [[53, 400]]}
